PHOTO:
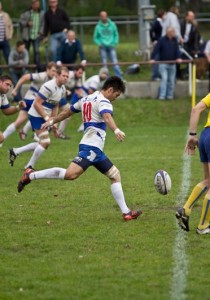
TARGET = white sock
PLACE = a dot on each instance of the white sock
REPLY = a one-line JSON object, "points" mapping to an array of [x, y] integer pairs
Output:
{"points": [[53, 173], [9, 130], [28, 147], [37, 153], [118, 195], [27, 127], [63, 125]]}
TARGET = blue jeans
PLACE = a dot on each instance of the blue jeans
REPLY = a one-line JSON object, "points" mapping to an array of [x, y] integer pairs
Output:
{"points": [[155, 68], [35, 44], [5, 47], [167, 83], [110, 52], [55, 41]]}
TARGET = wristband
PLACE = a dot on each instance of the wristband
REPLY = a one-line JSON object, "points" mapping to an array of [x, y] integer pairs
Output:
{"points": [[192, 133], [46, 118], [117, 130]]}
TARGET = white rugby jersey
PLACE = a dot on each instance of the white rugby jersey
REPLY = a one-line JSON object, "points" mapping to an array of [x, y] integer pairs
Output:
{"points": [[93, 83], [37, 79], [73, 82], [93, 107], [51, 93], [4, 103]]}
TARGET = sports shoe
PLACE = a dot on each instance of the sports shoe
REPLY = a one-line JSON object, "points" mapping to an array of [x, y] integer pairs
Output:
{"points": [[133, 214], [203, 231], [25, 179], [12, 156], [22, 135], [183, 220]]}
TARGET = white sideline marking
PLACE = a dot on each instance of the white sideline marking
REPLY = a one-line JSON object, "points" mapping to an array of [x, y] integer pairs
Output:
{"points": [[180, 258]]}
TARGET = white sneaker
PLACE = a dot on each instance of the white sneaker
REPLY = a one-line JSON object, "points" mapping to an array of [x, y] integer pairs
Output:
{"points": [[203, 231], [1, 145]]}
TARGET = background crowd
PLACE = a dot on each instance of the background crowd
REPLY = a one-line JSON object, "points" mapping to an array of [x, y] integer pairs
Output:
{"points": [[53, 28]]}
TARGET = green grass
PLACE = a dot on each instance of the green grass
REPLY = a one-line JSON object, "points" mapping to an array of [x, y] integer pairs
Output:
{"points": [[67, 240]]}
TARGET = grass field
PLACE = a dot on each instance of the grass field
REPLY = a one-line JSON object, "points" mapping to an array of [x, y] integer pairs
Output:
{"points": [[67, 240]]}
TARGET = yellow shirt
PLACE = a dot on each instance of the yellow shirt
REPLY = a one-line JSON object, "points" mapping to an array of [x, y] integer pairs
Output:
{"points": [[206, 100]]}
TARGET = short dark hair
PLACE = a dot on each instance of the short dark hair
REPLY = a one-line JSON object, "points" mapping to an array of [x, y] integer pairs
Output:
{"points": [[6, 77], [78, 67], [115, 82], [19, 43]]}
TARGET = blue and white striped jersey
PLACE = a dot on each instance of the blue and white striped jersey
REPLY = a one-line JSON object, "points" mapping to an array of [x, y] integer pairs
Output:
{"points": [[37, 79], [93, 107], [51, 93]]}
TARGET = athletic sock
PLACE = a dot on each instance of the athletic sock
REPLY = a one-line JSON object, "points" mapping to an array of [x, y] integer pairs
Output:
{"points": [[199, 190], [118, 195], [28, 147], [63, 125], [36, 154], [27, 127], [53, 173], [205, 214], [9, 130]]}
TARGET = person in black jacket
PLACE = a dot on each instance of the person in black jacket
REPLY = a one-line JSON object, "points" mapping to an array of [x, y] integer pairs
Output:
{"points": [[190, 33], [155, 35], [57, 24]]}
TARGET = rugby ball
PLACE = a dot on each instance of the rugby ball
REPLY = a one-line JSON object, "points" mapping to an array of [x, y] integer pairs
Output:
{"points": [[162, 182]]}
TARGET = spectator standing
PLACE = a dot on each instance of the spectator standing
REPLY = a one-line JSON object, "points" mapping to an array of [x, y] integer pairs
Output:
{"points": [[155, 35], [18, 60], [171, 20], [57, 24], [190, 33], [168, 50], [32, 23], [106, 36], [70, 49], [6, 33]]}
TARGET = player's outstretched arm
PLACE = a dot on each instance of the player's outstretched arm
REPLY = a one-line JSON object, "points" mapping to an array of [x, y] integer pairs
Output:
{"points": [[108, 119], [62, 116]]}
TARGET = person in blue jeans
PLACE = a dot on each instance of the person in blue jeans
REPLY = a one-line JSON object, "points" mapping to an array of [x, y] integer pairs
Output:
{"points": [[6, 33], [57, 24], [168, 49], [106, 36]]}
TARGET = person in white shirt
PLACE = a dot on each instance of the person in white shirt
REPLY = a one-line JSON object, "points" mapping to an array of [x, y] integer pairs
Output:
{"points": [[97, 111], [45, 105], [171, 20]]}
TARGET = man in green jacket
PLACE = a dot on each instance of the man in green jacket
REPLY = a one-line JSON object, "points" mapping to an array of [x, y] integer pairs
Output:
{"points": [[106, 37]]}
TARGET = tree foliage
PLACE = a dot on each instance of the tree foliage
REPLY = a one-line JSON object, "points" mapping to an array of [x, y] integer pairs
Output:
{"points": [[114, 7]]}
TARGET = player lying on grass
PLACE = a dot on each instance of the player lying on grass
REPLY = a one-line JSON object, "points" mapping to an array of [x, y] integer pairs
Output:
{"points": [[96, 112]]}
